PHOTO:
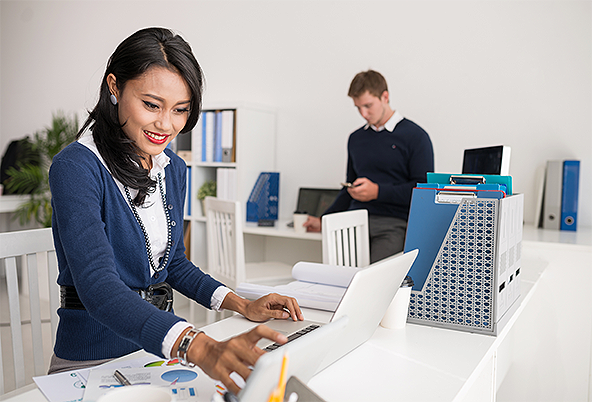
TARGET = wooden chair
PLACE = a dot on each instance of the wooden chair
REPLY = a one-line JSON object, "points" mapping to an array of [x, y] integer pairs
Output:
{"points": [[35, 251], [345, 239], [226, 252]]}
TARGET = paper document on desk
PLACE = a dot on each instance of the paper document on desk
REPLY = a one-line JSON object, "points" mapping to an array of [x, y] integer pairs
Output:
{"points": [[70, 386], [184, 384], [63, 387], [318, 286]]}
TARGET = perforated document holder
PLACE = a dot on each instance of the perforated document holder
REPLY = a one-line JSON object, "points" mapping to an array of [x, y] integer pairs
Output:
{"points": [[467, 274]]}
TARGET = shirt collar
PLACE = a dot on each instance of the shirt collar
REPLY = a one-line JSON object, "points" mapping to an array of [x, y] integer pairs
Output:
{"points": [[159, 162], [389, 125]]}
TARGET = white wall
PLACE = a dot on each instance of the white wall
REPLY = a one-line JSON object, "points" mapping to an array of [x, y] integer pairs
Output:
{"points": [[472, 73]]}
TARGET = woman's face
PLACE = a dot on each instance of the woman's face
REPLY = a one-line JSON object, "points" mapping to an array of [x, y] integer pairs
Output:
{"points": [[153, 109]]}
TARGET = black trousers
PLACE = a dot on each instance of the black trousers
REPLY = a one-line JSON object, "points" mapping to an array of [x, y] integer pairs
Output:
{"points": [[387, 236]]}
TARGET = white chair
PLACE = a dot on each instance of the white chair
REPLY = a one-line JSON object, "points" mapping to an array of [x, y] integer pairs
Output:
{"points": [[226, 250], [35, 251], [345, 239]]}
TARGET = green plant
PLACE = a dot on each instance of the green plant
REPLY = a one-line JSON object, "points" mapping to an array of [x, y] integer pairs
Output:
{"points": [[29, 177], [207, 189]]}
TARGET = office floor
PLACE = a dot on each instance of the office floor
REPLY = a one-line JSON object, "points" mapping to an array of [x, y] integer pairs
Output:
{"points": [[181, 309]]}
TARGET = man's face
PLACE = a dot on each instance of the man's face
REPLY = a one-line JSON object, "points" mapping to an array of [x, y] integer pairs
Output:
{"points": [[372, 108]]}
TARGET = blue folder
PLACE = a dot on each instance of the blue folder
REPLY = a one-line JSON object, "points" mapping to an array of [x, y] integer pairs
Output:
{"points": [[569, 195]]}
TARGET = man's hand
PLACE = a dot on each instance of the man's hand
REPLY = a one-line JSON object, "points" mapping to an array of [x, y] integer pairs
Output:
{"points": [[312, 224], [363, 190], [220, 359]]}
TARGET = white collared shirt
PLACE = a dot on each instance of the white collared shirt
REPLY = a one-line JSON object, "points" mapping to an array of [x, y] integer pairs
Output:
{"points": [[389, 125]]}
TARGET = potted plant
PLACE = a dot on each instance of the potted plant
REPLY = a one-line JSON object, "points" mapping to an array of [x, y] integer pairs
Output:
{"points": [[206, 189], [31, 174]]}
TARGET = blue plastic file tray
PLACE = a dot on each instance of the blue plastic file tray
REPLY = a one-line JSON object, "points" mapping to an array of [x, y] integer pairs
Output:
{"points": [[264, 198]]}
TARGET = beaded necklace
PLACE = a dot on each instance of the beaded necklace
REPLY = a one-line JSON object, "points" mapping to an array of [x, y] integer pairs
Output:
{"points": [[165, 259]]}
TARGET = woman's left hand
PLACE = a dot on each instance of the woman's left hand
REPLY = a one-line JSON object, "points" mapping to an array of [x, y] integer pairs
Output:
{"points": [[273, 306], [264, 308]]}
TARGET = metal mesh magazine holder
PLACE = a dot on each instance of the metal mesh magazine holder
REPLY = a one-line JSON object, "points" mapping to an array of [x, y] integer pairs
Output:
{"points": [[469, 234]]}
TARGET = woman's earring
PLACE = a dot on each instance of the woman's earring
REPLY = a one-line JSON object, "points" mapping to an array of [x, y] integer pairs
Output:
{"points": [[113, 99]]}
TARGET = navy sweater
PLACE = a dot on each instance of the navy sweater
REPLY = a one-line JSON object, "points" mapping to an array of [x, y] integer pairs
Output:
{"points": [[395, 161], [101, 251]]}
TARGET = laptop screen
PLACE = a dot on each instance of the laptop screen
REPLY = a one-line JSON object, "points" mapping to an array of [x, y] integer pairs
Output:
{"points": [[488, 160], [315, 201]]}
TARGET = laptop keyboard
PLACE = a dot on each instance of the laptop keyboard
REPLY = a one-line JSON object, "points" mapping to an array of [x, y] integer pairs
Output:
{"points": [[292, 337]]}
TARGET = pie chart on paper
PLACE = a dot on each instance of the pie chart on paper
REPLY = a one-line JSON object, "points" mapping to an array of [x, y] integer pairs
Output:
{"points": [[179, 376]]}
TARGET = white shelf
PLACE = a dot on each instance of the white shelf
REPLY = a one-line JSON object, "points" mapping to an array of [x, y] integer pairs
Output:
{"points": [[214, 164], [254, 152]]}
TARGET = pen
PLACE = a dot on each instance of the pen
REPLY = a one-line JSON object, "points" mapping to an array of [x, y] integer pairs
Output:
{"points": [[278, 394], [282, 382], [121, 378]]}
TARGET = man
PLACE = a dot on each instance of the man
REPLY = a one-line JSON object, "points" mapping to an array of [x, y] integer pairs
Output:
{"points": [[386, 158]]}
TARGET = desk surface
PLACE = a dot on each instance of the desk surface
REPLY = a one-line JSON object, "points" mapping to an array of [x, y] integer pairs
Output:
{"points": [[583, 236], [414, 363], [279, 230]]}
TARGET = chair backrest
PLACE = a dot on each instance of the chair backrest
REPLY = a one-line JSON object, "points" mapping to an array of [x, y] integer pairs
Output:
{"points": [[225, 243], [33, 251], [345, 238]]}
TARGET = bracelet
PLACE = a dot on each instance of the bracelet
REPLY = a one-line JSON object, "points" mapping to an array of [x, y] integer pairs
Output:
{"points": [[184, 347]]}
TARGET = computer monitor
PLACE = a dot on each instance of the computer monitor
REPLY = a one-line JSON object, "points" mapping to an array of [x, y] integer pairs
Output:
{"points": [[315, 201], [488, 160]]}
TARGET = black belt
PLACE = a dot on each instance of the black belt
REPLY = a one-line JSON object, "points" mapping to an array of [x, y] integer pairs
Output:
{"points": [[159, 294]]}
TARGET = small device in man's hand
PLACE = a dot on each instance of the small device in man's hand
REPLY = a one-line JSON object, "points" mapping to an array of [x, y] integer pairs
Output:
{"points": [[348, 185]]}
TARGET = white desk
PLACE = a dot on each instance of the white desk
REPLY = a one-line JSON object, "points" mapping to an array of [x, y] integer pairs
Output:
{"points": [[8, 205], [280, 229], [538, 355], [281, 243]]}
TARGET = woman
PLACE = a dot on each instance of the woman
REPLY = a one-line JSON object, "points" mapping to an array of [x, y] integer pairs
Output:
{"points": [[117, 196]]}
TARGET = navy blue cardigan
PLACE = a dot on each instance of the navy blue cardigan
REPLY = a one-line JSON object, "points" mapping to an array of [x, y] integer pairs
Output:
{"points": [[396, 161], [101, 251]]}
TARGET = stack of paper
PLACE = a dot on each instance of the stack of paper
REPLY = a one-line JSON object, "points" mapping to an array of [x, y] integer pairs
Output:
{"points": [[226, 184], [317, 286]]}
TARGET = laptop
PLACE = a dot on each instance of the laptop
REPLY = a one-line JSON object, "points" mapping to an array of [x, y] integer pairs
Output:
{"points": [[304, 357], [488, 160], [365, 301], [315, 201]]}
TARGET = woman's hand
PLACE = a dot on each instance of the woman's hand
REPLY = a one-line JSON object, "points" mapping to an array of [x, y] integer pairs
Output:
{"points": [[220, 359], [273, 306], [264, 308]]}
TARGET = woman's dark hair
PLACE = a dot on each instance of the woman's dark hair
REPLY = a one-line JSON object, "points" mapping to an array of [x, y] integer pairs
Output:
{"points": [[147, 48]]}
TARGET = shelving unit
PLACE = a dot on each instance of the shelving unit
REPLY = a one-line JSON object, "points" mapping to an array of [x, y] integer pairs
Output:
{"points": [[254, 152]]}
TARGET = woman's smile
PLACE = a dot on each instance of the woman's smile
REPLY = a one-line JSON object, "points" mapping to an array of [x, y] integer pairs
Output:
{"points": [[155, 137]]}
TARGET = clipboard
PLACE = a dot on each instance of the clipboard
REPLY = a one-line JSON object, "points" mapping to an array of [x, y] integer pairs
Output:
{"points": [[466, 179], [304, 393]]}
